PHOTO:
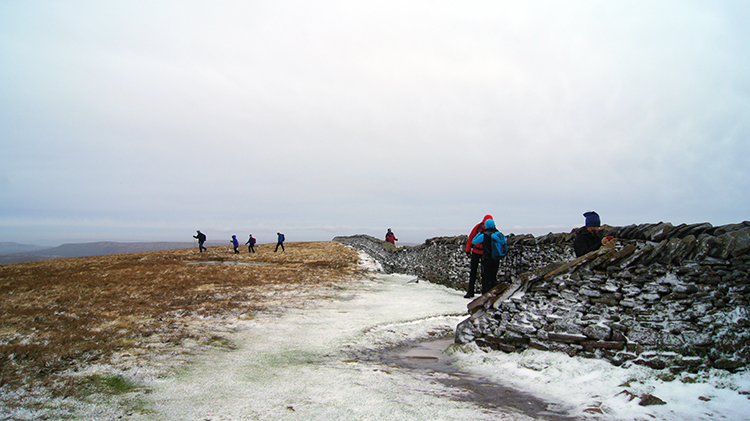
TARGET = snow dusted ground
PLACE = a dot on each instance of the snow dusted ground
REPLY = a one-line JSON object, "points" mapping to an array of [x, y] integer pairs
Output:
{"points": [[302, 365]]}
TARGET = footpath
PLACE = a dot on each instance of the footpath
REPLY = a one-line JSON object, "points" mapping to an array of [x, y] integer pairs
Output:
{"points": [[320, 362]]}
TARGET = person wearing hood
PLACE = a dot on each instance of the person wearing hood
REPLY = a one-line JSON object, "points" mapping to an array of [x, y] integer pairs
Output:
{"points": [[235, 244], [489, 238], [589, 238], [474, 252]]}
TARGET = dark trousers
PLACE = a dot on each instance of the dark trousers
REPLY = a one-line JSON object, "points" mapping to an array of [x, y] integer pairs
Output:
{"points": [[279, 244], [250, 249], [475, 258], [200, 247], [236, 251], [489, 273]]}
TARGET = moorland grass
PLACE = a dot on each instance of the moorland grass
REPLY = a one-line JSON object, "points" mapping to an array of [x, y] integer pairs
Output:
{"points": [[58, 316]]}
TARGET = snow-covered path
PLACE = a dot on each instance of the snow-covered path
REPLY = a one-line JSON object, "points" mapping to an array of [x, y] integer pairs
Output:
{"points": [[321, 363], [300, 365]]}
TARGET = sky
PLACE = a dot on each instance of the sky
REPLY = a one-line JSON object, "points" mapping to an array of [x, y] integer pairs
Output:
{"points": [[148, 120]]}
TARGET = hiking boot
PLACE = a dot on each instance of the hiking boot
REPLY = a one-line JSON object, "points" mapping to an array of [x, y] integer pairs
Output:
{"points": [[469, 295]]}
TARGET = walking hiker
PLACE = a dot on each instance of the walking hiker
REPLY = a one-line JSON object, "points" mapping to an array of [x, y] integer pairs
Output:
{"points": [[251, 244], [279, 242], [390, 237], [493, 248], [235, 244], [474, 252], [589, 237], [201, 239]]}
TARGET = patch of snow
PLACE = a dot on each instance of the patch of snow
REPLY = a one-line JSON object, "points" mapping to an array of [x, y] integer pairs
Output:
{"points": [[299, 364], [366, 262], [599, 385]]}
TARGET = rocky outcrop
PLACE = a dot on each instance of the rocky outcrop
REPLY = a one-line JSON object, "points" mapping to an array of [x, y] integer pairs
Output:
{"points": [[662, 295]]}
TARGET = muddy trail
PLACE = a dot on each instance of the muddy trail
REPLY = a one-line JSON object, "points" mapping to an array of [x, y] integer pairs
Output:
{"points": [[431, 356]]}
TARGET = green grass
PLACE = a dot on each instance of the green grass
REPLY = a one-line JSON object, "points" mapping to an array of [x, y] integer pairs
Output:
{"points": [[105, 384]]}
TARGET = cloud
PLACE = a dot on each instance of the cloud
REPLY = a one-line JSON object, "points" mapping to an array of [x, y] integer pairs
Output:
{"points": [[341, 116]]}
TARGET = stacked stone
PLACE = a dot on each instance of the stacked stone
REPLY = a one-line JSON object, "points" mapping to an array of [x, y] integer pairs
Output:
{"points": [[442, 260], [663, 296], [666, 296]]}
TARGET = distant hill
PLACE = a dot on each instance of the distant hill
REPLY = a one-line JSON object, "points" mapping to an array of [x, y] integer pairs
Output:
{"points": [[89, 249], [11, 247]]}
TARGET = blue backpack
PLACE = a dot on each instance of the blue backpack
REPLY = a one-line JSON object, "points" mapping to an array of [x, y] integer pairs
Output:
{"points": [[499, 247]]}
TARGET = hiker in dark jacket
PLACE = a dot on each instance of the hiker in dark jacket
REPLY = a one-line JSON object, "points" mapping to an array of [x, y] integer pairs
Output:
{"points": [[280, 242], [490, 265], [589, 237], [474, 252], [235, 244], [201, 239], [250, 244]]}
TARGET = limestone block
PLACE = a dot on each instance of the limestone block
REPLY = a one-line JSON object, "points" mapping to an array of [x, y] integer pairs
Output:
{"points": [[741, 243], [510, 337], [524, 329], [599, 332], [659, 232], [589, 292], [693, 338], [645, 337], [603, 345], [540, 345]]}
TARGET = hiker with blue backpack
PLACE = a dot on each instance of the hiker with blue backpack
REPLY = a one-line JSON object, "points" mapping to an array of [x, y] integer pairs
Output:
{"points": [[494, 248], [474, 252], [280, 242]]}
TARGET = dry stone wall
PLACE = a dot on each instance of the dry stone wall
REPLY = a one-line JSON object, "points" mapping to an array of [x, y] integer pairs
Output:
{"points": [[664, 296], [443, 260]]}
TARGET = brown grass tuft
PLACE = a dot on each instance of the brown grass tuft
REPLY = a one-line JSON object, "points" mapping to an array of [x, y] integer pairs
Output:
{"points": [[60, 315]]}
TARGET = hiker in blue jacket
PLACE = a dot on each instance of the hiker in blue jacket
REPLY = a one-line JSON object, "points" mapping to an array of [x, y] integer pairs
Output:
{"points": [[280, 242], [494, 247], [235, 244]]}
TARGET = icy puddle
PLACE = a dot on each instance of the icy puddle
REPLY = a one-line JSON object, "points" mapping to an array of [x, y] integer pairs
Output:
{"points": [[337, 359]]}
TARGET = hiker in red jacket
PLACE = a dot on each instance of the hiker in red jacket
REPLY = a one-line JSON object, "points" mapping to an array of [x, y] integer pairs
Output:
{"points": [[474, 252], [390, 237]]}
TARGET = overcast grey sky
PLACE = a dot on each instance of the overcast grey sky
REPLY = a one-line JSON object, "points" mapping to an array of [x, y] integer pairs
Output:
{"points": [[147, 120]]}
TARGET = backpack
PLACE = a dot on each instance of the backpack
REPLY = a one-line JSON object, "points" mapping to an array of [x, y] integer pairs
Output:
{"points": [[499, 246], [479, 247], [283, 238], [252, 241]]}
